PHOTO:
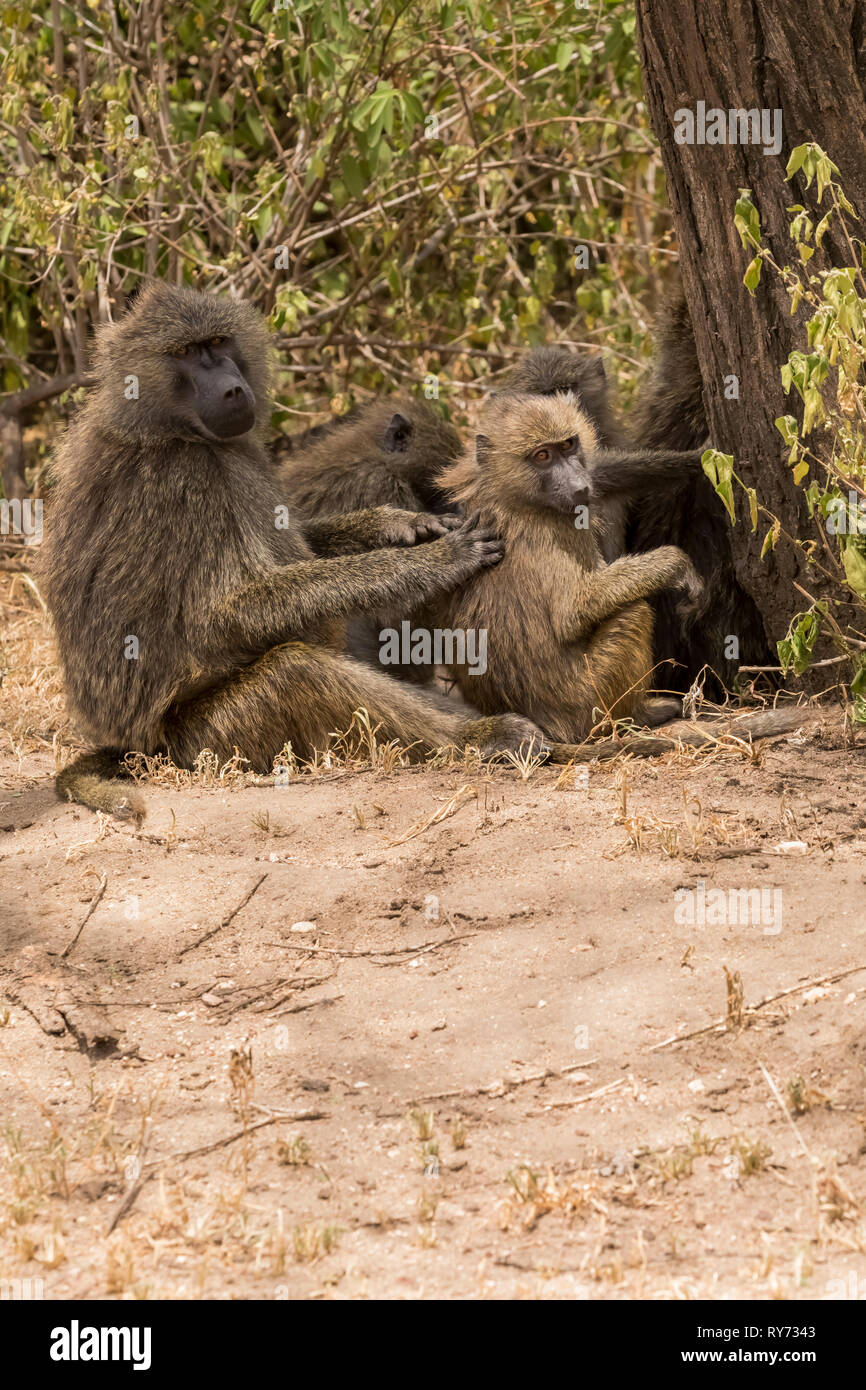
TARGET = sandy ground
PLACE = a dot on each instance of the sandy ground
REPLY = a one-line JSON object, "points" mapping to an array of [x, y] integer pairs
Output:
{"points": [[492, 1056]]}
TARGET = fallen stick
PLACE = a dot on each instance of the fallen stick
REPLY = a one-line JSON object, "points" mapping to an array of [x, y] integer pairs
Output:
{"points": [[94, 904], [190, 946], [686, 732], [279, 1117], [720, 1024]]}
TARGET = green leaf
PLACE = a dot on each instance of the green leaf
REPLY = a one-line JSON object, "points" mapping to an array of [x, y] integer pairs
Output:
{"points": [[796, 161], [719, 469], [788, 428], [752, 276], [796, 648], [771, 538], [854, 560], [353, 176], [747, 221]]}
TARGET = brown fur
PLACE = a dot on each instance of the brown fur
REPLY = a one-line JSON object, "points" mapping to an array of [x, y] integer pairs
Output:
{"points": [[346, 465], [185, 544], [566, 635]]}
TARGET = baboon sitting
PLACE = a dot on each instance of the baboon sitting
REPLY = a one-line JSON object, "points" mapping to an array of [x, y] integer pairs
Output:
{"points": [[651, 491], [191, 608], [567, 635]]}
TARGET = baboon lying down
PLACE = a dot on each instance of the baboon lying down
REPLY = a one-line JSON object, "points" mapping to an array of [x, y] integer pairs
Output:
{"points": [[191, 608]]}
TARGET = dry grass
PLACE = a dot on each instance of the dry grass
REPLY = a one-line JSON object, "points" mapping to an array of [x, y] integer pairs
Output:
{"points": [[32, 708]]}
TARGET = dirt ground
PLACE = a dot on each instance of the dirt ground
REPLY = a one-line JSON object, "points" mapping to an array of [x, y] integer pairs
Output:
{"points": [[312, 1043]]}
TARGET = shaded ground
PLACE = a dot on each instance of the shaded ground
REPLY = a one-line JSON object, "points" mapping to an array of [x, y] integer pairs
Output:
{"points": [[444, 1067]]}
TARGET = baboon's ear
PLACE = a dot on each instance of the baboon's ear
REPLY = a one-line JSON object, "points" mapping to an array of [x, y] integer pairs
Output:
{"points": [[398, 434], [133, 296], [483, 447]]}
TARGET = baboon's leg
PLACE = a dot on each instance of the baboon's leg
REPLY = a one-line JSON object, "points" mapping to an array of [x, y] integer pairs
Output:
{"points": [[661, 710], [300, 695], [619, 663]]}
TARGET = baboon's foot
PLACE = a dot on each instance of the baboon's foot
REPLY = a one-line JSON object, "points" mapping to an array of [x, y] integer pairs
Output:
{"points": [[503, 733], [659, 710]]}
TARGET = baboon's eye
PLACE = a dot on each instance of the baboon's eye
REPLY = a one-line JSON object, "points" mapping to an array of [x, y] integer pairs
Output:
{"points": [[180, 352], [215, 342], [568, 444], [541, 456]]}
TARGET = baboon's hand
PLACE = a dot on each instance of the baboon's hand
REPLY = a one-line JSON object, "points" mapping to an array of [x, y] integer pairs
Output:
{"points": [[407, 528], [691, 587], [472, 547]]}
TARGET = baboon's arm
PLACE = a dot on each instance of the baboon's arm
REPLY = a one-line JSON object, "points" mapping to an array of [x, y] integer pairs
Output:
{"points": [[355, 532], [287, 603], [604, 591], [614, 472]]}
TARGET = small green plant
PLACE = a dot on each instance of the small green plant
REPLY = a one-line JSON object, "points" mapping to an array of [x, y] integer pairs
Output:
{"points": [[827, 448]]}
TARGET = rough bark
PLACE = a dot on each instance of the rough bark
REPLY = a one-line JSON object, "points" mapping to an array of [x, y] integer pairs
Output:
{"points": [[809, 61]]}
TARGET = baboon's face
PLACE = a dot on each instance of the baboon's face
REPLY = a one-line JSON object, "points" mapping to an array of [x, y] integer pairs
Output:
{"points": [[211, 389], [558, 474], [181, 365]]}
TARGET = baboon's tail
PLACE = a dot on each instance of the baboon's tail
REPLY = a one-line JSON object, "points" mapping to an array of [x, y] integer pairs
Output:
{"points": [[669, 411], [692, 733], [93, 780]]}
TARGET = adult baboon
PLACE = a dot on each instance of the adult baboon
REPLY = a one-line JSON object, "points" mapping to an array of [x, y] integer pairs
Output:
{"points": [[566, 634], [191, 608]]}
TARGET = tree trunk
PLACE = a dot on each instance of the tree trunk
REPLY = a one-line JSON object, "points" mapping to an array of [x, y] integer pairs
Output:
{"points": [[809, 62]]}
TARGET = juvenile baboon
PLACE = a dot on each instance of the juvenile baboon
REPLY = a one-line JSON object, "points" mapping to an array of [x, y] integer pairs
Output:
{"points": [[387, 452], [191, 608], [566, 634], [651, 491]]}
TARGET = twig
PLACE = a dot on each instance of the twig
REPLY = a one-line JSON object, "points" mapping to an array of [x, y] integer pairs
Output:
{"points": [[94, 904], [591, 1095], [131, 1197], [786, 1112], [225, 921], [468, 792], [546, 1075], [720, 1024], [277, 1117]]}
